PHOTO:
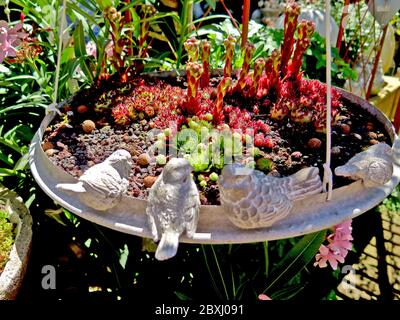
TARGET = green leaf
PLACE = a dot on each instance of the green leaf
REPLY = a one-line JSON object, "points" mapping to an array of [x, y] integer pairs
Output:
{"points": [[212, 3], [288, 292], [296, 259], [80, 51], [123, 256], [181, 296], [103, 4]]}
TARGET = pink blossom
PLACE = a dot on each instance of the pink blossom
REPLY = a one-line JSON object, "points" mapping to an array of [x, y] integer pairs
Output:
{"points": [[10, 38], [263, 296], [327, 255], [338, 247], [91, 48]]}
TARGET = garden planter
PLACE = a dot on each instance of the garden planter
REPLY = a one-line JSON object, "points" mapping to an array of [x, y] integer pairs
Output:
{"points": [[12, 276], [308, 215]]}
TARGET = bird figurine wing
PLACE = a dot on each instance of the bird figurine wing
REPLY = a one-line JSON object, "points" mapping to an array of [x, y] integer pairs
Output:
{"points": [[255, 200], [102, 185], [104, 180], [192, 209]]}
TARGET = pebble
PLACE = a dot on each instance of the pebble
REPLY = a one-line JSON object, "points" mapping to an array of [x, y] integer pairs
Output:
{"points": [[51, 152], [369, 126], [149, 181], [372, 135], [88, 126], [335, 150], [345, 128], [357, 136], [314, 143], [47, 145], [143, 160], [82, 108]]}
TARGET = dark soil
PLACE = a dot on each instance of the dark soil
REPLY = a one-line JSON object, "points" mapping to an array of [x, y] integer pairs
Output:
{"points": [[73, 150]]}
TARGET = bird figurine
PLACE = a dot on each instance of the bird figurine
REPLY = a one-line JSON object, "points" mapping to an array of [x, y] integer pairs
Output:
{"points": [[101, 186], [374, 166], [173, 207], [255, 200]]}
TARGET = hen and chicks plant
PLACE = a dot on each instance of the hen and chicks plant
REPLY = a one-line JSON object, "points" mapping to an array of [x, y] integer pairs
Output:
{"points": [[242, 100]]}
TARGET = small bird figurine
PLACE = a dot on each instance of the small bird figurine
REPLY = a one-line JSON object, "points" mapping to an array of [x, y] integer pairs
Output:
{"points": [[101, 186], [255, 200], [173, 207], [374, 166]]}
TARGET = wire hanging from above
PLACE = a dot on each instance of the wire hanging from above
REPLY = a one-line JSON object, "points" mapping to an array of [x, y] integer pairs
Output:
{"points": [[328, 176]]}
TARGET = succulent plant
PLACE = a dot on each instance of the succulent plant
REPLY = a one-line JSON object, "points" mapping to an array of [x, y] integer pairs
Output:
{"points": [[205, 60], [229, 44], [304, 32], [256, 76], [292, 12], [222, 89], [194, 71], [244, 71], [192, 48], [120, 114]]}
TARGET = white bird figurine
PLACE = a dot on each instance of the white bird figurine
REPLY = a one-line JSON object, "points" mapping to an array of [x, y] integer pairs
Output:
{"points": [[374, 166], [255, 200], [173, 207], [101, 186]]}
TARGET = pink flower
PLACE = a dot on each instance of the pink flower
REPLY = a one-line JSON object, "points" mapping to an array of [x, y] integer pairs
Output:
{"points": [[263, 296], [338, 247], [10, 38], [91, 48], [326, 255]]}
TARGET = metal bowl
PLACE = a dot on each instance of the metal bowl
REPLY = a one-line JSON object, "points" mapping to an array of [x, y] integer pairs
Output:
{"points": [[308, 215]]}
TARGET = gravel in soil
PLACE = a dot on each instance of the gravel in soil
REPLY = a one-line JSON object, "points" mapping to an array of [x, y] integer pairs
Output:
{"points": [[74, 147]]}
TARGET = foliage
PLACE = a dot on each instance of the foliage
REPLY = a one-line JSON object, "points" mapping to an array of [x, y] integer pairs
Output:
{"points": [[6, 238], [105, 37], [267, 39]]}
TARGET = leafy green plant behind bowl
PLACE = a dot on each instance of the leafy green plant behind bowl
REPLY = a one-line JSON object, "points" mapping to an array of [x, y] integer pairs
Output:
{"points": [[6, 239]]}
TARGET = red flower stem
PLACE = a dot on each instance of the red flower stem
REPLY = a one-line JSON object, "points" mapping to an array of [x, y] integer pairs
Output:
{"points": [[229, 44], [245, 21], [128, 19], [205, 59], [192, 48], [194, 71], [291, 15], [257, 74], [248, 54], [228, 12], [345, 12], [376, 62], [222, 90]]}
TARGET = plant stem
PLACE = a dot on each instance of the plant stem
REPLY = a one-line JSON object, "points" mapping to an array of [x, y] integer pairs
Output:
{"points": [[209, 271], [266, 256], [245, 21], [220, 272]]}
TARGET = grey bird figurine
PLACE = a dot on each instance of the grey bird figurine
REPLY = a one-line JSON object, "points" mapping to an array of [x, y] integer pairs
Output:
{"points": [[255, 200], [374, 166], [173, 207], [101, 186]]}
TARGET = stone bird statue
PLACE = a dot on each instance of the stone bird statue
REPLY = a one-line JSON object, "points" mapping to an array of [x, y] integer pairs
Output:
{"points": [[255, 200], [374, 166], [173, 207], [101, 186]]}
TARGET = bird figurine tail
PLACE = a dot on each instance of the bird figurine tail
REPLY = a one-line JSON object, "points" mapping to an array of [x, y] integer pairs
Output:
{"points": [[74, 187], [303, 183], [347, 170], [168, 245]]}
